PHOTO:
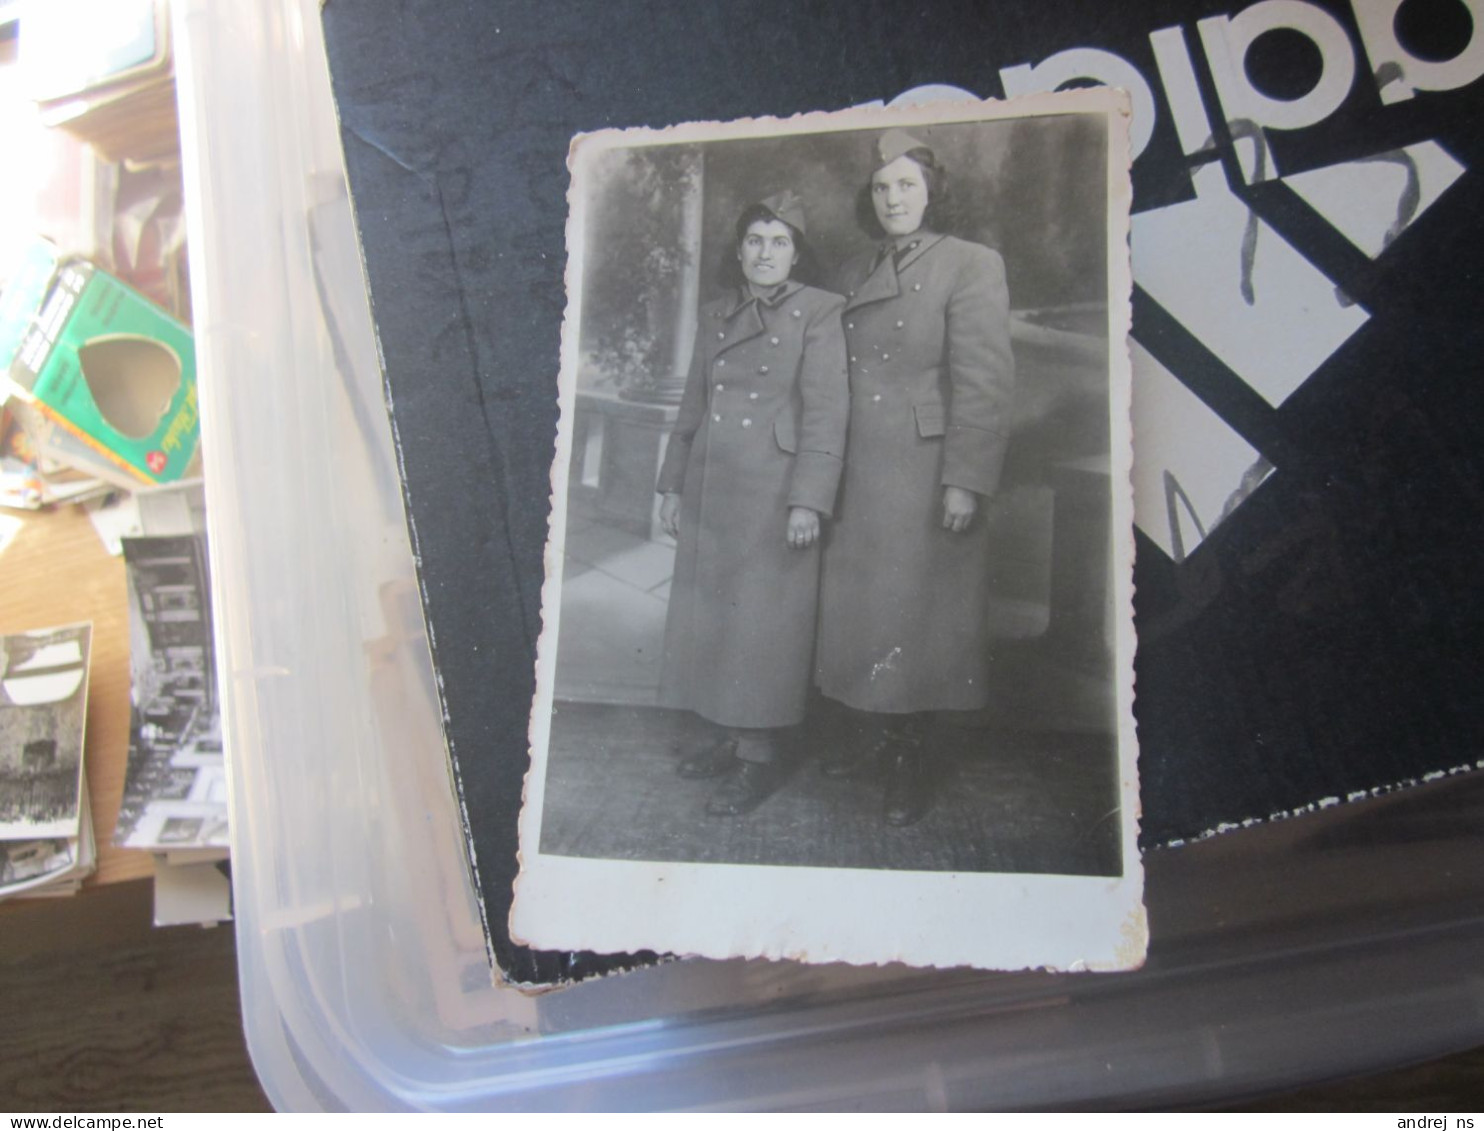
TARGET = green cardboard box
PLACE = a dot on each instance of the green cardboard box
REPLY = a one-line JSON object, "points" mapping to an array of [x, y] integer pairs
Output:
{"points": [[102, 361]]}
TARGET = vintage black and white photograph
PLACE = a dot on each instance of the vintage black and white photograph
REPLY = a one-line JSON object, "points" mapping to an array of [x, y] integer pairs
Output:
{"points": [[837, 618], [51, 866], [43, 711], [29, 864], [175, 793]]}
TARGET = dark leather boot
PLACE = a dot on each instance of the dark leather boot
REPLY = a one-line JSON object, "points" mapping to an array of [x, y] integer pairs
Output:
{"points": [[862, 744], [711, 759], [908, 788], [759, 773], [744, 791]]}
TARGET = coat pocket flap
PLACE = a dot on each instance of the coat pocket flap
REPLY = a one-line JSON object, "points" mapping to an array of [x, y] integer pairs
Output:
{"points": [[783, 432], [929, 419]]}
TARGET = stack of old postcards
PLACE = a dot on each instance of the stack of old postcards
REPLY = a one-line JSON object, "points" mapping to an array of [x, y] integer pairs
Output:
{"points": [[175, 793], [46, 829]]}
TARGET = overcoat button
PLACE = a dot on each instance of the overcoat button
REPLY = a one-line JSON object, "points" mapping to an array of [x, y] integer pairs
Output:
{"points": [[798, 314], [752, 396], [746, 423], [721, 334], [900, 323], [720, 361], [773, 340], [716, 416], [917, 286], [720, 387], [877, 397], [850, 325], [852, 361], [762, 368], [886, 357]]}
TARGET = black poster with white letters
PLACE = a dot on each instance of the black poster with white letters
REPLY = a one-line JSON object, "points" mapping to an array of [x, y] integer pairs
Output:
{"points": [[1306, 345]]}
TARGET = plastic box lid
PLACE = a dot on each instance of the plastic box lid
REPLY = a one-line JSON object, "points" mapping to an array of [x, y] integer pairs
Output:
{"points": [[1345, 941]]}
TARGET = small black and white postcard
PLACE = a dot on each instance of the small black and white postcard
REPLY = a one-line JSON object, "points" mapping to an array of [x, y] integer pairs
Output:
{"points": [[53, 866], [175, 794], [43, 711], [836, 659]]}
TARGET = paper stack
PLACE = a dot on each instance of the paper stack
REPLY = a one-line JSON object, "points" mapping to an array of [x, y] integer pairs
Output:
{"points": [[46, 828], [175, 794]]}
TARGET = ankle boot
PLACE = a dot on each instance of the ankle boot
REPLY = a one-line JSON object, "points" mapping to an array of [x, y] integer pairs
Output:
{"points": [[713, 758], [908, 790], [861, 743], [759, 773], [745, 790]]}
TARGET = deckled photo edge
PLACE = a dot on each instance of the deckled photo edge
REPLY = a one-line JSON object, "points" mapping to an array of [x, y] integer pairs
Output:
{"points": [[1129, 952], [538, 729], [944, 112], [1135, 926], [1132, 949]]}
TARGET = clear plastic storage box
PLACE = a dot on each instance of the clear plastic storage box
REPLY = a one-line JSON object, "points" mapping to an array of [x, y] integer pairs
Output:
{"points": [[1345, 941]]}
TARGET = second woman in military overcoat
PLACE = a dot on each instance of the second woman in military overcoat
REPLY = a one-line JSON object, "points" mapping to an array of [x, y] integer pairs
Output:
{"points": [[904, 601]]}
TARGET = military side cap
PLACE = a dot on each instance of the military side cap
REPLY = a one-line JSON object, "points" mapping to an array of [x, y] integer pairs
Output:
{"points": [[896, 143], [787, 206]]}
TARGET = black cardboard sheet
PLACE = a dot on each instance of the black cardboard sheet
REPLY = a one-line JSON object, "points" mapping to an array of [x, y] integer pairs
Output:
{"points": [[1321, 642]]}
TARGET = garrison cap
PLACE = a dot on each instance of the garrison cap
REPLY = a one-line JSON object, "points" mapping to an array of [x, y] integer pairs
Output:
{"points": [[787, 206], [896, 143]]}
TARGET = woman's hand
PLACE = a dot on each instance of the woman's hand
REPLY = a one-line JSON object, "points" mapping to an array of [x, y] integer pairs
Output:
{"points": [[959, 506], [803, 527], [670, 514]]}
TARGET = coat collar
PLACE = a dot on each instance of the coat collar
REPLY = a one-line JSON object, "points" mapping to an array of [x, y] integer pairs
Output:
{"points": [[883, 283], [744, 313], [743, 297], [929, 241]]}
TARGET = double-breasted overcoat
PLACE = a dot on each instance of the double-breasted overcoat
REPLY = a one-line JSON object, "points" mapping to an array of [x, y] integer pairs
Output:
{"points": [[904, 602], [761, 429]]}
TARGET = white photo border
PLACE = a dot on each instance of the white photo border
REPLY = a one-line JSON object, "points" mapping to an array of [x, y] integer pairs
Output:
{"points": [[938, 919]]}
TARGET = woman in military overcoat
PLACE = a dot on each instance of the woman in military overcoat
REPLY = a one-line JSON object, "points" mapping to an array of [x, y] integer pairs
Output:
{"points": [[748, 477], [904, 616]]}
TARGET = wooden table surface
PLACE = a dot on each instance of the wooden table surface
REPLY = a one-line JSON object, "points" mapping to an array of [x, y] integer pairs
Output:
{"points": [[56, 571], [106, 1013]]}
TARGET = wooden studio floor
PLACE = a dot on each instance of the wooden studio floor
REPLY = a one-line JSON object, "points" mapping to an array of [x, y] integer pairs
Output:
{"points": [[1042, 802]]}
